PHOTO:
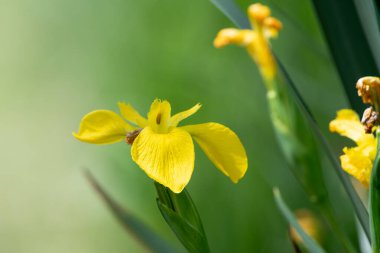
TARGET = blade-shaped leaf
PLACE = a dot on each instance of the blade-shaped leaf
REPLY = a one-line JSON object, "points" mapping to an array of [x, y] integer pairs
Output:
{"points": [[182, 216], [233, 12], [310, 244], [348, 41], [358, 205], [147, 238], [374, 200]]}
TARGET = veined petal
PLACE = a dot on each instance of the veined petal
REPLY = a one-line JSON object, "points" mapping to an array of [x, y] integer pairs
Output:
{"points": [[102, 127], [130, 114], [183, 115], [347, 124], [223, 148], [166, 158]]}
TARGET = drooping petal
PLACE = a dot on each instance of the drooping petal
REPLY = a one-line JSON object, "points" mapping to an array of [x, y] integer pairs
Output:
{"points": [[223, 148], [183, 115], [159, 116], [102, 127], [166, 158], [347, 123], [130, 114]]}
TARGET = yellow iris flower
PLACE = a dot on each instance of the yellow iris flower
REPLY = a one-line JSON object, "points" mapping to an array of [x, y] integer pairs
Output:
{"points": [[256, 41], [356, 161], [160, 147]]}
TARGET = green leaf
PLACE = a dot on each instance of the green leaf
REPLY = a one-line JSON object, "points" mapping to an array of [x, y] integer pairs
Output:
{"points": [[374, 200], [233, 12], [310, 244], [358, 205], [144, 235], [182, 216], [353, 48]]}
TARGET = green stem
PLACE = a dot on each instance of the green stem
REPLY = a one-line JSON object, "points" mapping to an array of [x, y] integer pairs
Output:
{"points": [[374, 200]]}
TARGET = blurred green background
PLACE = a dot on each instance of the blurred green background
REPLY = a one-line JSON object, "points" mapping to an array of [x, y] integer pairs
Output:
{"points": [[61, 59]]}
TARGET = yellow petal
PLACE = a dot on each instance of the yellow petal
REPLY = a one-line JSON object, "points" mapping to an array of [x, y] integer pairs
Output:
{"points": [[130, 114], [159, 116], [183, 115], [223, 148], [166, 158], [347, 124], [358, 163], [102, 127]]}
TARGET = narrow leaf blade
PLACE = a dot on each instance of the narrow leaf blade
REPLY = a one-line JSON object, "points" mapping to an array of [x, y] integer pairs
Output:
{"points": [[233, 12], [147, 238]]}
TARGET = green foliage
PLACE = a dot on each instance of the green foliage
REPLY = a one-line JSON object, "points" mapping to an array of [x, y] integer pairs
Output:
{"points": [[353, 45], [290, 111], [147, 238], [182, 216], [358, 205]]}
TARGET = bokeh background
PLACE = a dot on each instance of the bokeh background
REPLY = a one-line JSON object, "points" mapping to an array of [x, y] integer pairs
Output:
{"points": [[60, 59]]}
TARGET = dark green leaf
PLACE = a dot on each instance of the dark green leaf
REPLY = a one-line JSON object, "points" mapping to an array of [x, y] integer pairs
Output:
{"points": [[147, 238], [349, 45], [374, 200], [310, 244]]}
